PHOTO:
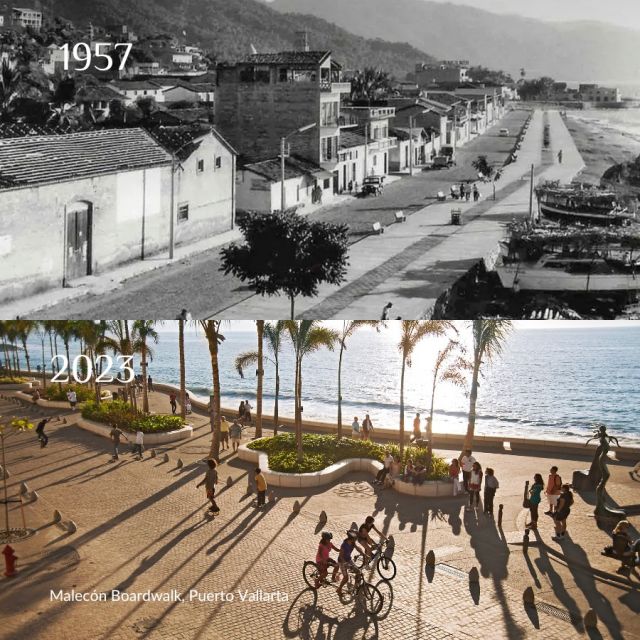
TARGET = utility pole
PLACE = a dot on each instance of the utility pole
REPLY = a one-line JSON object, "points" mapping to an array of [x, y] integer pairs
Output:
{"points": [[410, 146], [366, 149], [283, 155], [173, 205], [531, 196]]}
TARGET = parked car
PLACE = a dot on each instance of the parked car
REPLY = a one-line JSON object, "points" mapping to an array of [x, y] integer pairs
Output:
{"points": [[372, 185], [504, 132]]}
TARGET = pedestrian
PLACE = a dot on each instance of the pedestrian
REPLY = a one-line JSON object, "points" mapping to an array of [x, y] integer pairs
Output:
{"points": [[367, 428], [115, 434], [149, 383], [386, 310], [467, 194], [491, 484], [235, 431], [386, 468], [560, 156], [241, 411], [224, 433], [454, 191], [553, 490], [535, 496], [247, 413], [350, 186], [35, 396], [466, 462], [476, 193], [417, 434], [42, 436], [461, 191], [137, 448], [210, 481], [187, 404], [475, 484], [355, 428], [72, 397], [454, 474], [173, 402], [261, 487], [565, 502]]}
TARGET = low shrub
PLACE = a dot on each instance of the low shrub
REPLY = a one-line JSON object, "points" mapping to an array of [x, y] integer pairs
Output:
{"points": [[12, 380], [58, 393], [321, 451], [124, 416]]}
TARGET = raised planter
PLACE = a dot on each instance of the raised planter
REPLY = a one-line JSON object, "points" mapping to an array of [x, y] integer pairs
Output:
{"points": [[18, 386], [431, 488], [149, 438]]}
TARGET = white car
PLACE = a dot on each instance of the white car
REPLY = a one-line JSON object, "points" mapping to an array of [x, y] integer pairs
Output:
{"points": [[504, 132]]}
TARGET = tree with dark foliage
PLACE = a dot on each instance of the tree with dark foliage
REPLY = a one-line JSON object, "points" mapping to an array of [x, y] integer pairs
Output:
{"points": [[284, 253]]}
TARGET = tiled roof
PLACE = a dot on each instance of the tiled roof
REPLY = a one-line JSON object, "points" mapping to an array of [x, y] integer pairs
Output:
{"points": [[349, 139], [403, 133], [45, 159], [443, 98], [185, 140], [293, 168], [288, 57], [98, 92], [136, 85]]}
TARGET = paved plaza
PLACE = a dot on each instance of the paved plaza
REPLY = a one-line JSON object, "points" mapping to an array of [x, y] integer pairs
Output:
{"points": [[142, 525]]}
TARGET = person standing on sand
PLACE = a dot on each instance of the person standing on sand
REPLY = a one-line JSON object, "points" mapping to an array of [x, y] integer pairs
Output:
{"points": [[535, 496], [553, 490], [367, 428], [210, 481], [560, 156], [173, 402]]}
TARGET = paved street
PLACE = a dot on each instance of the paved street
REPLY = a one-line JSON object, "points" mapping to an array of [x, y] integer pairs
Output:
{"points": [[142, 526], [196, 283]]}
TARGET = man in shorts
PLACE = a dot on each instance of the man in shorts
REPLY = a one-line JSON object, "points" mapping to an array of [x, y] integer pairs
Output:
{"points": [[235, 431], [72, 397], [365, 539], [553, 490], [224, 433], [344, 558]]}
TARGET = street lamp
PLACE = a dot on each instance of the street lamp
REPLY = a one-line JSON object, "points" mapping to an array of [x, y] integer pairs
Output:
{"points": [[283, 155]]}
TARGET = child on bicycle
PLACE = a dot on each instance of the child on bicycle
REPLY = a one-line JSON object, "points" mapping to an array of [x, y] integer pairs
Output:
{"points": [[365, 539], [344, 559], [322, 557]]}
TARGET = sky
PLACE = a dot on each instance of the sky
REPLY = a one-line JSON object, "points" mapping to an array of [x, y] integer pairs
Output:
{"points": [[625, 13]]}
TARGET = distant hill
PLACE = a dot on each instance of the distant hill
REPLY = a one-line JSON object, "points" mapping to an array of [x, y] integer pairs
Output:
{"points": [[230, 27], [578, 51]]}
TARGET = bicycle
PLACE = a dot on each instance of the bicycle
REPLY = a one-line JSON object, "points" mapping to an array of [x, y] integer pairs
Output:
{"points": [[385, 566], [356, 588]]}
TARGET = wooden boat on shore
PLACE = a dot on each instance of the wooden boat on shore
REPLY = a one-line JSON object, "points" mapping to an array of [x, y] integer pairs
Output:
{"points": [[578, 260], [579, 204]]}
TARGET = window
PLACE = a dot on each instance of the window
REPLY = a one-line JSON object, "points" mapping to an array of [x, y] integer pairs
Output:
{"points": [[327, 183], [375, 160], [218, 162], [200, 166], [283, 74], [183, 212]]}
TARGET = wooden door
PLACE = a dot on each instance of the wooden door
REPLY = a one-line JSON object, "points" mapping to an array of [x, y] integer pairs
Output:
{"points": [[78, 241]]}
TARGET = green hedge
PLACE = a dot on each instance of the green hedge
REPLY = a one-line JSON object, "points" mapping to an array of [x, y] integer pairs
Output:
{"points": [[58, 393], [11, 380], [321, 451], [123, 415]]}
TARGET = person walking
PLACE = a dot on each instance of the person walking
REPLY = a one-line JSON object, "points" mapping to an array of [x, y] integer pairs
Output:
{"points": [[149, 383], [210, 481], [462, 191], [553, 490], [42, 436], [474, 485], [476, 193], [535, 496], [241, 411], [72, 397], [386, 310], [187, 404], [454, 474], [491, 485], [224, 433], [261, 487], [173, 402], [466, 462], [367, 428], [247, 412], [560, 156], [355, 428], [35, 396], [416, 435], [137, 449], [565, 502], [115, 434], [235, 431]]}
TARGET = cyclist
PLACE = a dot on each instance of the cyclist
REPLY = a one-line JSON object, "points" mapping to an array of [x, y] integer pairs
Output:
{"points": [[344, 558], [365, 539], [322, 557]]}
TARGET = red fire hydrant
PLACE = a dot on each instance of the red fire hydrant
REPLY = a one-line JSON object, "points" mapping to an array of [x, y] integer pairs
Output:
{"points": [[9, 561]]}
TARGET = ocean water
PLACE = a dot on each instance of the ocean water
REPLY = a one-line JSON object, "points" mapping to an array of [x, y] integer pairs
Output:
{"points": [[625, 121], [550, 383]]}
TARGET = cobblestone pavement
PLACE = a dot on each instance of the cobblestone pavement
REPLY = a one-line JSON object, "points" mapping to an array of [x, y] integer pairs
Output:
{"points": [[143, 526], [196, 283]]}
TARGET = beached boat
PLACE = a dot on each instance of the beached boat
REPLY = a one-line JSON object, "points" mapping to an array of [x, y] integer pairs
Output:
{"points": [[579, 204], [551, 259]]}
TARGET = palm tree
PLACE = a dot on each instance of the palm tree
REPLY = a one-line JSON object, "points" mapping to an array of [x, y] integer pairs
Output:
{"points": [[214, 339], [143, 331], [413, 331], [24, 329], [448, 368], [489, 337], [41, 332], [94, 342], [370, 84], [349, 327], [121, 344], [307, 336], [5, 345], [50, 328], [260, 375], [273, 333], [183, 382]]}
